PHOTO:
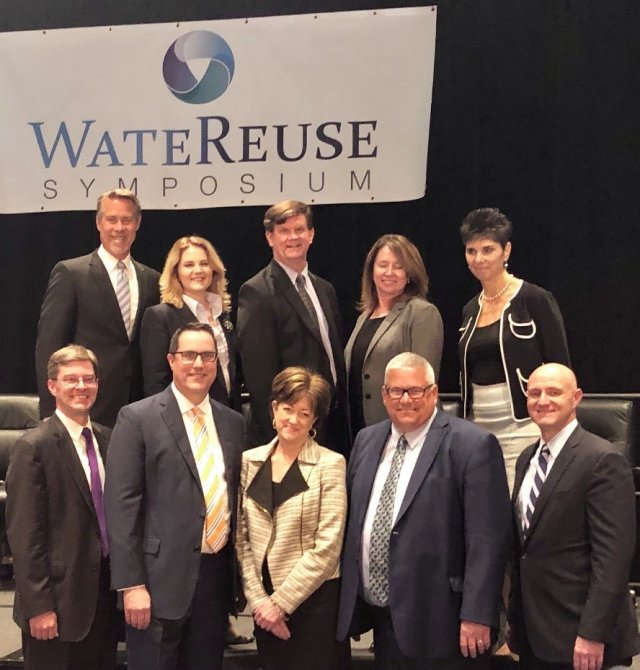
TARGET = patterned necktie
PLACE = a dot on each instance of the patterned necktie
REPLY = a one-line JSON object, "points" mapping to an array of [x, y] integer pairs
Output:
{"points": [[124, 297], [302, 290], [381, 529], [96, 489], [216, 524], [538, 481]]}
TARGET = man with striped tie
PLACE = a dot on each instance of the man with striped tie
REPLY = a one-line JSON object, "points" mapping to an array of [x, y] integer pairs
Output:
{"points": [[97, 301], [574, 514], [170, 505]]}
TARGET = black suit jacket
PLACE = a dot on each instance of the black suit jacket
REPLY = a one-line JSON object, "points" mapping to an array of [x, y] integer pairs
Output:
{"points": [[53, 529], [448, 546], [275, 331], [80, 307], [159, 323], [154, 501], [571, 570]]}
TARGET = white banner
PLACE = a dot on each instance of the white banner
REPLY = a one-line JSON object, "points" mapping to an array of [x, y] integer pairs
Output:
{"points": [[323, 108]]}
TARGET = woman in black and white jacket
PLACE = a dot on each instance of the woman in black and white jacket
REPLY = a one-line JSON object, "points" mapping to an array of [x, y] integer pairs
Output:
{"points": [[508, 330]]}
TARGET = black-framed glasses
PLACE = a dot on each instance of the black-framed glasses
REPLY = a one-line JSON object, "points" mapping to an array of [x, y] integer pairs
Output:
{"points": [[190, 356], [74, 380], [414, 392]]}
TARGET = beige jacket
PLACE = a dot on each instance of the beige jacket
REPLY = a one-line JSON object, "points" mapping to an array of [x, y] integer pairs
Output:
{"points": [[302, 539]]}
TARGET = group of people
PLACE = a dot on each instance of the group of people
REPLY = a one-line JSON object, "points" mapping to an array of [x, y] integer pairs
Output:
{"points": [[187, 510]]}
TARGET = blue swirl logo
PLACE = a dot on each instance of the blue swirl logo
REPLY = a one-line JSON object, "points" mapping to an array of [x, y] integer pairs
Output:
{"points": [[201, 45]]}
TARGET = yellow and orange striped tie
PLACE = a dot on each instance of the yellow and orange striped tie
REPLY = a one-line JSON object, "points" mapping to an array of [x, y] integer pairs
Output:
{"points": [[216, 525]]}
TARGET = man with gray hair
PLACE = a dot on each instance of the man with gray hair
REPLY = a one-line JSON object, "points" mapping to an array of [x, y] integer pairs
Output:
{"points": [[98, 301], [428, 531], [56, 527]]}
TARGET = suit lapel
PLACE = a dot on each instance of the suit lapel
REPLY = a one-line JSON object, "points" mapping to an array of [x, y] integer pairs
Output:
{"points": [[226, 444], [564, 458], [172, 417], [393, 314], [429, 451], [70, 457], [142, 279], [526, 457], [100, 277], [369, 468]]}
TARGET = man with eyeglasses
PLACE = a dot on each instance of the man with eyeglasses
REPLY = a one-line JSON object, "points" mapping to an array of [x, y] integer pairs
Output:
{"points": [[289, 316], [56, 527], [428, 531], [172, 479], [98, 301], [574, 513]]}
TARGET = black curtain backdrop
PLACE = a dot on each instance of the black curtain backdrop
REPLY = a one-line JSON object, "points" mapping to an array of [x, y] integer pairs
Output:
{"points": [[536, 110]]}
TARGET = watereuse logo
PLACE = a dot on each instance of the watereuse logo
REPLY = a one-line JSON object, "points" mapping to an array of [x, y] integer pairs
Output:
{"points": [[198, 46]]}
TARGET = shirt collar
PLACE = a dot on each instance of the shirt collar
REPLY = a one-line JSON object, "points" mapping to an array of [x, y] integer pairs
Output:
{"points": [[214, 300], [185, 405], [416, 437], [73, 427], [558, 441], [110, 261], [292, 274]]}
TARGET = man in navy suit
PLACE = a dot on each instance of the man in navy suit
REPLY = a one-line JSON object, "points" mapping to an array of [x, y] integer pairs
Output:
{"points": [[289, 316], [84, 303], [428, 531], [574, 514], [172, 479]]}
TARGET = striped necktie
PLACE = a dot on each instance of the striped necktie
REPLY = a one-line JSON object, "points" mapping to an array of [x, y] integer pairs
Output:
{"points": [[124, 297], [306, 299], [214, 489], [538, 480]]}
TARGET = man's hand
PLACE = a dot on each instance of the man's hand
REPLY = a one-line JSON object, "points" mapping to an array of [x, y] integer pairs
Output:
{"points": [[44, 626], [475, 638], [269, 617], [587, 654], [137, 607]]}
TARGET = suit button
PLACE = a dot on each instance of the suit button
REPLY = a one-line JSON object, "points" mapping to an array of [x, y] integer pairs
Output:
{"points": [[196, 548], [368, 396], [523, 556], [367, 376]]}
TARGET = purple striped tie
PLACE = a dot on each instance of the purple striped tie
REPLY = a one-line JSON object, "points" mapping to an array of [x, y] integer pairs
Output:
{"points": [[96, 489]]}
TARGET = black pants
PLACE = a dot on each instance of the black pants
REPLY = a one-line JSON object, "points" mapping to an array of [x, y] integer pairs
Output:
{"points": [[195, 641]]}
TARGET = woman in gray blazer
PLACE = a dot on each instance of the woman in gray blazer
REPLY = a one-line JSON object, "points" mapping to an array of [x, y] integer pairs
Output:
{"points": [[395, 317]]}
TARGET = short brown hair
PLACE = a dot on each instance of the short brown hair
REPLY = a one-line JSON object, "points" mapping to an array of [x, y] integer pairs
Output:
{"points": [[284, 210], [70, 354], [123, 194], [291, 384], [171, 291], [412, 264], [194, 326]]}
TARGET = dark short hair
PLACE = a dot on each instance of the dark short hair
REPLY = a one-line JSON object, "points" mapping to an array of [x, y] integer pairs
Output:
{"points": [[284, 210], [70, 354], [292, 384], [487, 222], [194, 326]]}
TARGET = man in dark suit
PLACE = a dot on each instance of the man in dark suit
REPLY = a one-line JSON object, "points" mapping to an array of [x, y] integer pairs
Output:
{"points": [[56, 528], [172, 478], [98, 301], [289, 316], [575, 525], [428, 530]]}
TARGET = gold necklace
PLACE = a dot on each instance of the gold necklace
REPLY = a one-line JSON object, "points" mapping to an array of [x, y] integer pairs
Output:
{"points": [[486, 298]]}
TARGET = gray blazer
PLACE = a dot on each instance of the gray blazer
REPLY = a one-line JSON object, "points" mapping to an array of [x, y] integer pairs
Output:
{"points": [[412, 325]]}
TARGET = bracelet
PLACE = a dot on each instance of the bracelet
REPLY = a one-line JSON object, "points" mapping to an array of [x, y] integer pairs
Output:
{"points": [[281, 613]]}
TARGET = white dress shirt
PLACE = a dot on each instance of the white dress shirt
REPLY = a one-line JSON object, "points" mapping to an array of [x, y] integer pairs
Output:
{"points": [[75, 433], [322, 319], [555, 445], [415, 440], [111, 264], [185, 407]]}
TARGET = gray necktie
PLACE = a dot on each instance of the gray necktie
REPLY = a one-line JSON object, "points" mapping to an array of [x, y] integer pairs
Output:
{"points": [[538, 481], [124, 297], [302, 290], [381, 529]]}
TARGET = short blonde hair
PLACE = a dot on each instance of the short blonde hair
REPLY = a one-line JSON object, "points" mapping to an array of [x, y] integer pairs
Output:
{"points": [[412, 264], [171, 291], [294, 383], [120, 194]]}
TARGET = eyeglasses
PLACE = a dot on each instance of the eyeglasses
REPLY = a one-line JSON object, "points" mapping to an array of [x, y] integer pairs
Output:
{"points": [[190, 356], [415, 392], [73, 381]]}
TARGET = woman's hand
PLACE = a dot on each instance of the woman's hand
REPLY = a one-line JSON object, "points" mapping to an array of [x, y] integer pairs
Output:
{"points": [[272, 619]]}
